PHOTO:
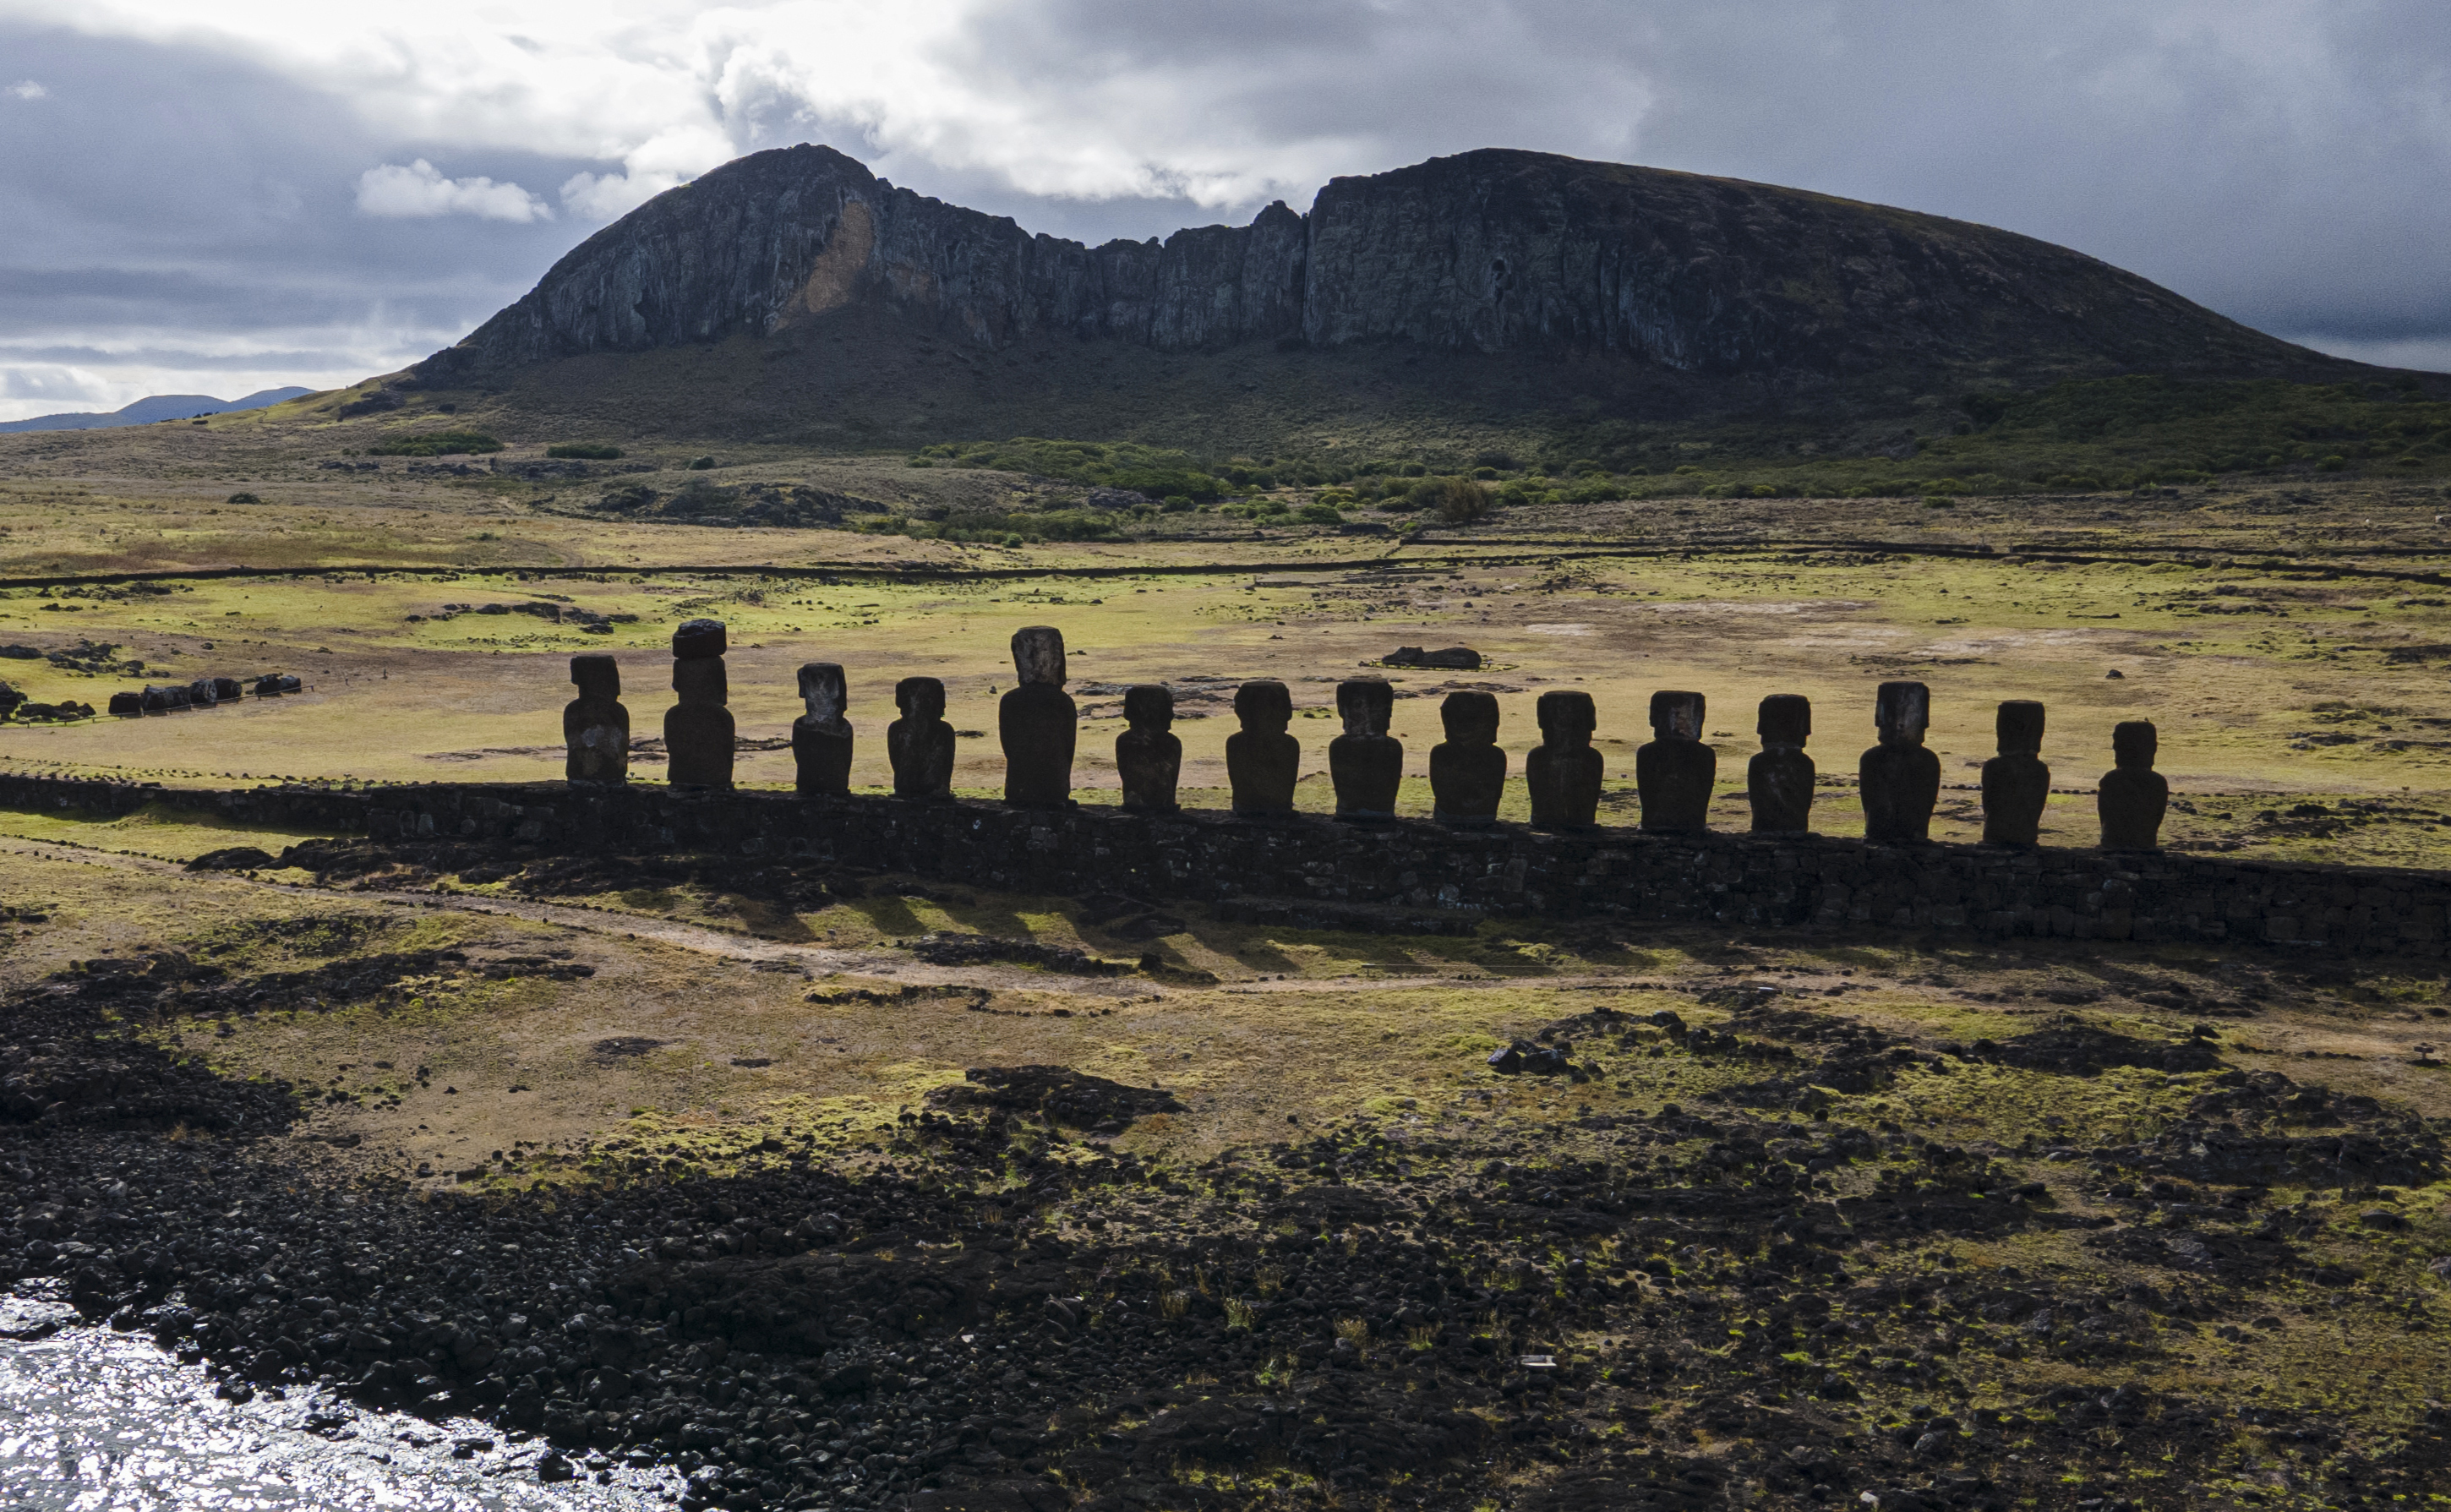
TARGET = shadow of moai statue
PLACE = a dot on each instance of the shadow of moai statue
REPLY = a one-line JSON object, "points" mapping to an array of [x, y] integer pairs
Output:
{"points": [[1038, 723], [920, 744], [1468, 769], [2132, 796], [1779, 779], [1365, 763], [1563, 773], [821, 738], [1262, 760], [697, 728], [1149, 757], [1898, 778], [2016, 785], [1673, 772], [595, 727]]}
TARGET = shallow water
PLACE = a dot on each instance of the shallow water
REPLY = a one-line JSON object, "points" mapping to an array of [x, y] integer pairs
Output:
{"points": [[90, 1419]]}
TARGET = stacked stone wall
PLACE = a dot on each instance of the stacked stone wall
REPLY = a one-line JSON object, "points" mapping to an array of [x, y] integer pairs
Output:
{"points": [[1308, 868]]}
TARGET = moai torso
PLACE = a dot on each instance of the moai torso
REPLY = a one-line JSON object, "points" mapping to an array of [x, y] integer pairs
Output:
{"points": [[1899, 779], [1676, 771], [1564, 772], [1037, 722], [2016, 784], [1262, 762], [1365, 763], [1149, 757], [595, 727], [821, 738], [2133, 797], [698, 729], [1779, 779], [920, 744], [1468, 769]]}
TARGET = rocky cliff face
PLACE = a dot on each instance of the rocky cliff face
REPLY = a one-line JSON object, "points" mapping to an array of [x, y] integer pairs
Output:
{"points": [[1490, 252]]}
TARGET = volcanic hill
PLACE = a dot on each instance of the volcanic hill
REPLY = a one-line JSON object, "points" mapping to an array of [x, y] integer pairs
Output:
{"points": [[793, 294]]}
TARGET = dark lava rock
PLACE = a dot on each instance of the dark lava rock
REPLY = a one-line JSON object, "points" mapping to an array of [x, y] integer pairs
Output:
{"points": [[2073, 1048], [231, 859], [988, 950], [1054, 1092]]}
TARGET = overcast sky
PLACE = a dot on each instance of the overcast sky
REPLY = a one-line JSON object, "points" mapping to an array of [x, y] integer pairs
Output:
{"points": [[212, 196]]}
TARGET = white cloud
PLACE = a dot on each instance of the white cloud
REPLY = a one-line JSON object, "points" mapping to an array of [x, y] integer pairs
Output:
{"points": [[29, 89], [420, 190]]}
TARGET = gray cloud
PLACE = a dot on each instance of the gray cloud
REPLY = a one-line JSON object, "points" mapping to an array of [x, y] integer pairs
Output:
{"points": [[193, 206]]}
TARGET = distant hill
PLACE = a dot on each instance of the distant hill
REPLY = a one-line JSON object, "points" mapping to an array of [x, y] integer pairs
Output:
{"points": [[793, 294], [158, 406]]}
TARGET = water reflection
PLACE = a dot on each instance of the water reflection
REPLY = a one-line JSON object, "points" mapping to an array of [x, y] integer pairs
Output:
{"points": [[90, 1419]]}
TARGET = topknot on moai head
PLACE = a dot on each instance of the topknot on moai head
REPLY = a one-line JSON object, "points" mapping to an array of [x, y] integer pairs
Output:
{"points": [[923, 698], [696, 640], [1566, 716], [1148, 706], [2134, 743], [1039, 654], [596, 675], [1470, 718], [824, 689], [1902, 710], [1264, 706], [1785, 719], [1365, 704], [1677, 714], [2020, 726]]}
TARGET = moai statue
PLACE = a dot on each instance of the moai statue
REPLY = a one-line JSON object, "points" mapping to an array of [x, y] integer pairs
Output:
{"points": [[2016, 785], [204, 693], [1564, 772], [1365, 763], [1898, 778], [1037, 722], [697, 728], [1148, 756], [2132, 796], [1262, 760], [1779, 780], [821, 738], [920, 744], [1673, 772], [1468, 769], [595, 727]]}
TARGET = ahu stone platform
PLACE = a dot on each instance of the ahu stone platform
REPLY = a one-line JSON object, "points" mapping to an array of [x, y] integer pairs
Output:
{"points": [[1402, 874]]}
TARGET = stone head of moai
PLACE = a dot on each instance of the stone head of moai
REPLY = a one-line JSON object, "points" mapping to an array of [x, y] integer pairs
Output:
{"points": [[1150, 706], [2020, 726], [920, 698], [696, 640], [1365, 704], [1567, 717], [825, 692], [1038, 655], [595, 676], [2135, 743], [1677, 714], [1902, 710], [1265, 707], [1470, 718], [1785, 721]]}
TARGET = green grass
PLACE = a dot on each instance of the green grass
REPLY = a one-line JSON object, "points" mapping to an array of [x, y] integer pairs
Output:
{"points": [[2089, 436]]}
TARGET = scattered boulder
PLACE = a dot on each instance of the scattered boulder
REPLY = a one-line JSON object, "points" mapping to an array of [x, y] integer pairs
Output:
{"points": [[1057, 1093], [1459, 658], [231, 859]]}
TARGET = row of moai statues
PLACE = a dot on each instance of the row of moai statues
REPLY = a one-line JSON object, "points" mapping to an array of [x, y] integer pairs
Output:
{"points": [[1675, 773]]}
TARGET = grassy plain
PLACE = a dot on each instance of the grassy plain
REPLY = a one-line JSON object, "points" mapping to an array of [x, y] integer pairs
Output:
{"points": [[2288, 637]]}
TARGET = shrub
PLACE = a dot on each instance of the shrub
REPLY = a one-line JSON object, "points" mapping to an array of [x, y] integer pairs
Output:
{"points": [[1412, 470], [1461, 501], [244, 499], [436, 443], [594, 451], [1321, 514], [1503, 462], [1485, 474], [700, 465]]}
